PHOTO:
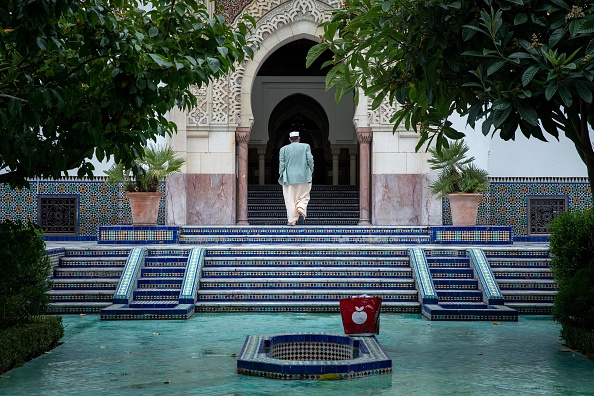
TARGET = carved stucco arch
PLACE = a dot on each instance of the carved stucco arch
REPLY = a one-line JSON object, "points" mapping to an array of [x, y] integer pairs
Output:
{"points": [[277, 23]]}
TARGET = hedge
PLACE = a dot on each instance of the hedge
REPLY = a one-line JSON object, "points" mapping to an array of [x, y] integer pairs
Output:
{"points": [[25, 341]]}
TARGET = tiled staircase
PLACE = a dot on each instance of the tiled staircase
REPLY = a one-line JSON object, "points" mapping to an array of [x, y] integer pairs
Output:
{"points": [[456, 285], [304, 279], [525, 278], [158, 289], [329, 205], [85, 280], [303, 269]]}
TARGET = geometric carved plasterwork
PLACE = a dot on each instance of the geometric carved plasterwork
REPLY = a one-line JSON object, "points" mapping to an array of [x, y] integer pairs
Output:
{"points": [[221, 102], [199, 114]]}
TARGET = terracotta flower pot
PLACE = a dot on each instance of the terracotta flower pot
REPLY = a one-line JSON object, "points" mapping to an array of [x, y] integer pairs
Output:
{"points": [[464, 208], [145, 207]]}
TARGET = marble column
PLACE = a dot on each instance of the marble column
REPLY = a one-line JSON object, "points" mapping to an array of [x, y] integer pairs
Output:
{"points": [[335, 155], [242, 137], [364, 135], [261, 165], [353, 166]]}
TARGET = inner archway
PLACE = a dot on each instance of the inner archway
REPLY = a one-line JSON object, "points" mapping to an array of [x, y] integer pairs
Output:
{"points": [[301, 113]]}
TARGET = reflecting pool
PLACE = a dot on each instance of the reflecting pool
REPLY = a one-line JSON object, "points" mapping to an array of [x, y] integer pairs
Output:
{"points": [[198, 357]]}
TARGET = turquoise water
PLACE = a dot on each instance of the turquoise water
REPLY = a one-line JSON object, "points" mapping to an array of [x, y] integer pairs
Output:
{"points": [[198, 357]]}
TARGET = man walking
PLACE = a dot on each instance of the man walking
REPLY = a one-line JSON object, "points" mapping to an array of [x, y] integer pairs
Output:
{"points": [[296, 168]]}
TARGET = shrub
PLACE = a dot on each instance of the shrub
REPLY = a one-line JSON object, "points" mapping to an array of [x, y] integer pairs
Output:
{"points": [[572, 247], [24, 271], [574, 303], [572, 243], [25, 341]]}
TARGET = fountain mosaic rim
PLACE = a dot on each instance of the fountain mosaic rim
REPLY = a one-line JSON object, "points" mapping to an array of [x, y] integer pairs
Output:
{"points": [[311, 355]]}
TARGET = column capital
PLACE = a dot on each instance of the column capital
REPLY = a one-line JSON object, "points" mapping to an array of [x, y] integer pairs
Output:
{"points": [[364, 135], [242, 134]]}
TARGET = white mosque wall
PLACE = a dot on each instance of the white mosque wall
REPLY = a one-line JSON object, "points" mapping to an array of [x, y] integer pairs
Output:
{"points": [[522, 157]]}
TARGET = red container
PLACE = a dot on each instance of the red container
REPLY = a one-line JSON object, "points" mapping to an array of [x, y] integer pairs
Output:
{"points": [[360, 315]]}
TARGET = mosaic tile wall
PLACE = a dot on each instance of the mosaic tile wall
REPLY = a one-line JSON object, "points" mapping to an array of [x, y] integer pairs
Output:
{"points": [[100, 204], [507, 199]]}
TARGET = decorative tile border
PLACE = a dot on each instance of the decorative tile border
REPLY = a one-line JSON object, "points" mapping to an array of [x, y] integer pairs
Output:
{"points": [[123, 294], [137, 234], [474, 235], [189, 288], [488, 284], [418, 262], [368, 357]]}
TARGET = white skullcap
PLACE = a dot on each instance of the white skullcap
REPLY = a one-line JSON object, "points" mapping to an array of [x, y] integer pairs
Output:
{"points": [[294, 134]]}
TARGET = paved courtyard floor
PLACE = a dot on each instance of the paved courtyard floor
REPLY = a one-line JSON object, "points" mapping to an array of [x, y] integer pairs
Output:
{"points": [[198, 357]]}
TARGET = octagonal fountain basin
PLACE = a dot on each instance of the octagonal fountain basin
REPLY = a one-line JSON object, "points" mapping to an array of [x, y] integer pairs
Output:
{"points": [[312, 356]]}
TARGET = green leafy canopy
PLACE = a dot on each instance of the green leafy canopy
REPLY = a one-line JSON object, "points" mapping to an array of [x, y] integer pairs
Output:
{"points": [[83, 78], [520, 66]]}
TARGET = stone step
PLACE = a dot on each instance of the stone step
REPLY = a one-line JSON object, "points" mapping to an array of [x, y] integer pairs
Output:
{"points": [[70, 262], [147, 311], [529, 296], [299, 306], [80, 295], [76, 307], [147, 272], [165, 282], [206, 297], [519, 263], [301, 272], [153, 304], [85, 283], [91, 272], [267, 263], [531, 309], [526, 284], [156, 294], [445, 284], [292, 252], [465, 312], [446, 296], [295, 239], [522, 273], [295, 284], [454, 273]]}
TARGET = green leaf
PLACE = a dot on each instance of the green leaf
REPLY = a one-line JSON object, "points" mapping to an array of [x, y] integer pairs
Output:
{"points": [[41, 43], [584, 92], [467, 34], [223, 51], [551, 90], [587, 25], [565, 95], [520, 19], [213, 64], [153, 31], [314, 52], [161, 61], [493, 67], [529, 74], [527, 113], [556, 36], [590, 48]]}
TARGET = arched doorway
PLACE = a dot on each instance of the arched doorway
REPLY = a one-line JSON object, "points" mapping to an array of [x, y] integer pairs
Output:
{"points": [[298, 108], [304, 114]]}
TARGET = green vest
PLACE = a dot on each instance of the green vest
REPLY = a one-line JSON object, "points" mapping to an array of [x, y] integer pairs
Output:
{"points": [[295, 164]]}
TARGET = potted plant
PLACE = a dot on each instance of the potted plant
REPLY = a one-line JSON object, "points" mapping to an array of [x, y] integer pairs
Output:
{"points": [[459, 180], [142, 181]]}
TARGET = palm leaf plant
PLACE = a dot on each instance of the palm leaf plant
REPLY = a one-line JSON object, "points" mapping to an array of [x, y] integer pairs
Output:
{"points": [[153, 166], [457, 173]]}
